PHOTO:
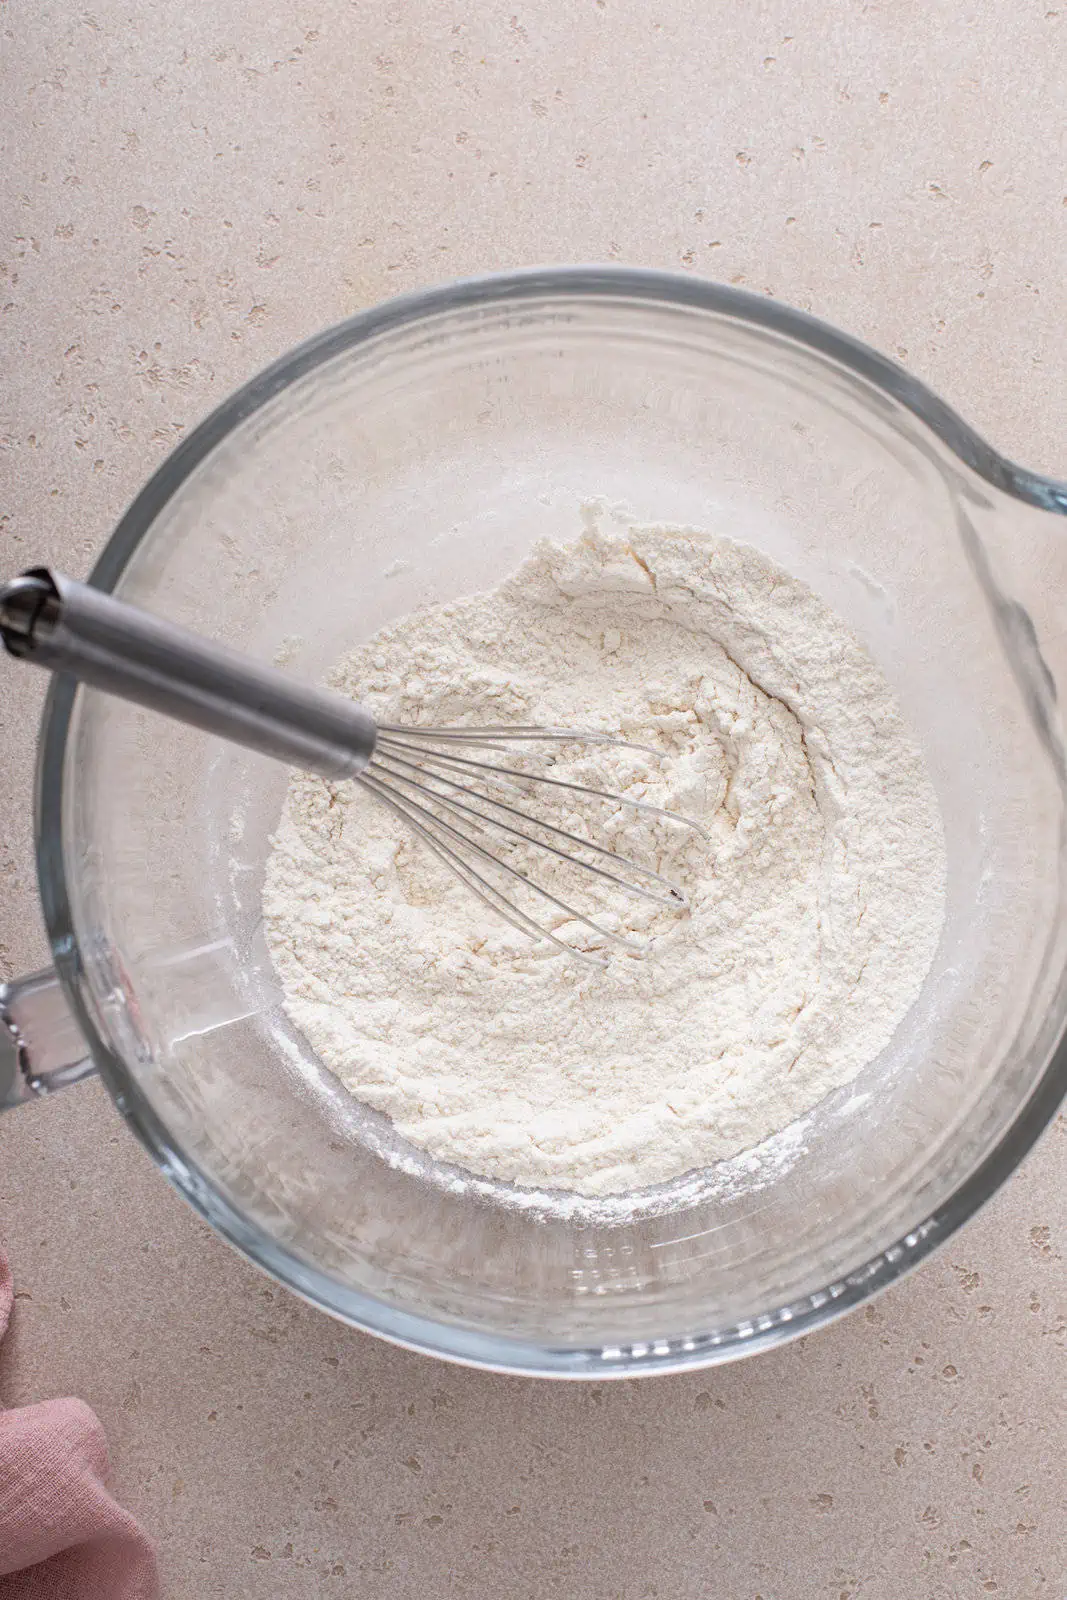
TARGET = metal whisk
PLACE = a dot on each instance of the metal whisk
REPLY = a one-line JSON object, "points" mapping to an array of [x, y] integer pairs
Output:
{"points": [[427, 777]]}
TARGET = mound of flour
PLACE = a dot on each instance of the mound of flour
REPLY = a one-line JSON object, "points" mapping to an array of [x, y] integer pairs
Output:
{"points": [[815, 907]]}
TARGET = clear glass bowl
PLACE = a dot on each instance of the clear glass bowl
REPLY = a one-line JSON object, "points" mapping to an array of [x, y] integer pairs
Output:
{"points": [[413, 454]]}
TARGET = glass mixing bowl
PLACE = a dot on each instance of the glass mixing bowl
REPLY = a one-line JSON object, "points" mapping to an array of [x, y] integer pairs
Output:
{"points": [[414, 454]]}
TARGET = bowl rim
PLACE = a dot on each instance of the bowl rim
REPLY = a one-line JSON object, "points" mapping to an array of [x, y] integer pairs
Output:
{"points": [[457, 1342]]}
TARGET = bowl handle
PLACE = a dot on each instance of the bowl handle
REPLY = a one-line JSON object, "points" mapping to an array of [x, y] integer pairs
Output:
{"points": [[41, 1047]]}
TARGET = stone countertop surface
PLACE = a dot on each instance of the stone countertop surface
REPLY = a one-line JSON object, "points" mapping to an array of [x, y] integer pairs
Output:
{"points": [[186, 192]]}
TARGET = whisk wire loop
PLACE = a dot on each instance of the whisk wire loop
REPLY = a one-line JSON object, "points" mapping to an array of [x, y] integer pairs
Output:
{"points": [[418, 775]]}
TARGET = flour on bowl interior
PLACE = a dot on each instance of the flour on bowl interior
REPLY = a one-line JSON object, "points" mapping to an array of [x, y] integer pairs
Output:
{"points": [[815, 910]]}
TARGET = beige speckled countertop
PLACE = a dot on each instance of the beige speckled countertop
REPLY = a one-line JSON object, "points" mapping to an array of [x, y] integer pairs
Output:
{"points": [[187, 191]]}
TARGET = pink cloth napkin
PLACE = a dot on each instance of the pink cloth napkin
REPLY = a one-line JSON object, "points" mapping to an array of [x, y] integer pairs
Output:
{"points": [[62, 1536]]}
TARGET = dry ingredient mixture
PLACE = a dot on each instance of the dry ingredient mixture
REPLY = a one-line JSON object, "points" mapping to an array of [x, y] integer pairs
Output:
{"points": [[815, 910]]}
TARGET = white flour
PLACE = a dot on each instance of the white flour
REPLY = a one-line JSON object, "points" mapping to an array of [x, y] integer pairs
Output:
{"points": [[815, 909]]}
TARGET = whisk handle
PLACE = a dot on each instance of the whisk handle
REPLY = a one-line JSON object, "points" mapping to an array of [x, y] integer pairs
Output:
{"points": [[69, 627]]}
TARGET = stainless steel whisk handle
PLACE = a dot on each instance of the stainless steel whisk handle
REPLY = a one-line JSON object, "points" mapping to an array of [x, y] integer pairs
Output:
{"points": [[69, 627]]}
